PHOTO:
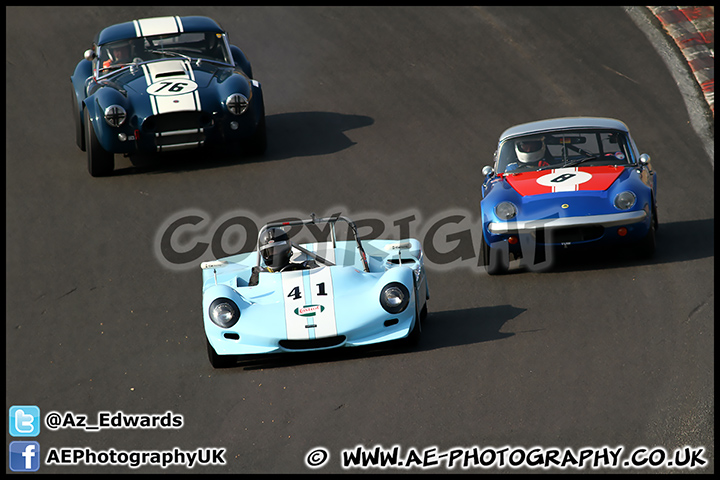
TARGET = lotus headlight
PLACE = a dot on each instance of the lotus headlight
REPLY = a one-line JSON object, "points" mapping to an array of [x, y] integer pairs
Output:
{"points": [[624, 200], [236, 103], [505, 210], [395, 297], [115, 115], [224, 312]]}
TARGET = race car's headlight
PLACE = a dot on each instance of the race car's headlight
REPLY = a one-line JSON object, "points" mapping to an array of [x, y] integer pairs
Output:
{"points": [[236, 103], [115, 115], [505, 210], [625, 200], [224, 312], [395, 297]]}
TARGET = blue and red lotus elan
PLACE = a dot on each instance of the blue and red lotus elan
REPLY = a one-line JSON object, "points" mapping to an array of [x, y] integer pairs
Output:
{"points": [[565, 182]]}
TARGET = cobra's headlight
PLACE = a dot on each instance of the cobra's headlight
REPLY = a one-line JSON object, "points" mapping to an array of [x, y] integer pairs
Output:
{"points": [[505, 210], [625, 200], [395, 297], [236, 103], [115, 115], [224, 312]]}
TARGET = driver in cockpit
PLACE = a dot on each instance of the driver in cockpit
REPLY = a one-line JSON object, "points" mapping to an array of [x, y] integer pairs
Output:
{"points": [[119, 53], [531, 152], [276, 250]]}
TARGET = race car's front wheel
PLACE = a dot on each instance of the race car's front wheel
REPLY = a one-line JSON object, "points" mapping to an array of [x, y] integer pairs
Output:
{"points": [[101, 163], [414, 337], [218, 361], [496, 260], [257, 144], [79, 132], [646, 247]]}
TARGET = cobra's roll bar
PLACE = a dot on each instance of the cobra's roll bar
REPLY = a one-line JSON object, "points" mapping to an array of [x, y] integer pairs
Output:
{"points": [[314, 220]]}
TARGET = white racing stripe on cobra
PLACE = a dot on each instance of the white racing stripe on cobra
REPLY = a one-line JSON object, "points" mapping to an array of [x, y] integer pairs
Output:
{"points": [[166, 67], [158, 26], [177, 103], [172, 103], [148, 80]]}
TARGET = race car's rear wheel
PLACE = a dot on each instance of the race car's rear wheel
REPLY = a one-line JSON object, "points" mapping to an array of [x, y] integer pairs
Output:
{"points": [[218, 361], [100, 162]]}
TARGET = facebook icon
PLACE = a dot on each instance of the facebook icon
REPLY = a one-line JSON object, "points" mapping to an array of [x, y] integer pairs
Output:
{"points": [[24, 456]]}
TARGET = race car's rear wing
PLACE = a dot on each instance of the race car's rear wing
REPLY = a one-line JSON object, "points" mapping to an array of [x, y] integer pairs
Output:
{"points": [[313, 220]]}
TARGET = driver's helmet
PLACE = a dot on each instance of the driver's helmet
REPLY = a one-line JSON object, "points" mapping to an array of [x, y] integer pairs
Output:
{"points": [[275, 248], [530, 150]]}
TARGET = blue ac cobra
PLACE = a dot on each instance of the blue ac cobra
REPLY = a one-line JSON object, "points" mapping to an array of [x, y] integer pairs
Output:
{"points": [[357, 293], [161, 84], [566, 183]]}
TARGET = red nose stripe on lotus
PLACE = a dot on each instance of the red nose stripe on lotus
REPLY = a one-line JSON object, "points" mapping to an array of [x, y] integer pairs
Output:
{"points": [[564, 180]]}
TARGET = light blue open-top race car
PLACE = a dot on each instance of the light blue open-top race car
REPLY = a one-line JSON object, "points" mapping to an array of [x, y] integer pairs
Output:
{"points": [[299, 297]]}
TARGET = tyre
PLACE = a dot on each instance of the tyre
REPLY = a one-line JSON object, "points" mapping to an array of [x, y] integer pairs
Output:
{"points": [[101, 163], [414, 337], [258, 143], [218, 361], [496, 260], [79, 131], [646, 248]]}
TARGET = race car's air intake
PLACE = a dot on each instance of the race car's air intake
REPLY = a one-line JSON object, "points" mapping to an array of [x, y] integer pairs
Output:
{"points": [[314, 343]]}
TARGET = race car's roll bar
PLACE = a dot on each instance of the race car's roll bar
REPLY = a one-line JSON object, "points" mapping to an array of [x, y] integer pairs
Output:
{"points": [[314, 220]]}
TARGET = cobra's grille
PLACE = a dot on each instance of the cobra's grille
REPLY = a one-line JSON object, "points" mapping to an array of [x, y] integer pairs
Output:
{"points": [[326, 342], [169, 122], [178, 130]]}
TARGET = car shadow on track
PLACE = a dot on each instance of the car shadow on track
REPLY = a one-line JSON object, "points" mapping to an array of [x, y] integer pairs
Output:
{"points": [[440, 330], [289, 135], [675, 242]]}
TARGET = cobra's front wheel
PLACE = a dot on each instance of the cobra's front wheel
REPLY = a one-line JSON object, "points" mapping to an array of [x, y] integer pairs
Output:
{"points": [[101, 163]]}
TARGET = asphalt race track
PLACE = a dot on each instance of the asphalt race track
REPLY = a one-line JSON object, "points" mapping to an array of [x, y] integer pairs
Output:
{"points": [[386, 115]]}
